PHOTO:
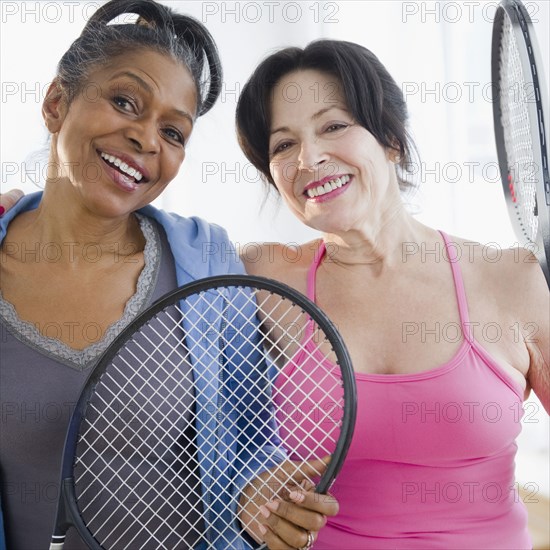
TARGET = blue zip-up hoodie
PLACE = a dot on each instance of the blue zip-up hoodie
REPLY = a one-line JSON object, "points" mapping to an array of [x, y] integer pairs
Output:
{"points": [[201, 250]]}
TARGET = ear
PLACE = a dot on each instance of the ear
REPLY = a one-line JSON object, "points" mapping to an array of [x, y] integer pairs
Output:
{"points": [[54, 107], [393, 153]]}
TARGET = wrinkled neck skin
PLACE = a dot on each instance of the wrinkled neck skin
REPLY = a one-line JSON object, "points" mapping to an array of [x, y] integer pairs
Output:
{"points": [[64, 219], [380, 240], [60, 215]]}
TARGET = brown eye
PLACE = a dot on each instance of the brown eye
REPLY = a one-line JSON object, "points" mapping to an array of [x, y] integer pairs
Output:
{"points": [[174, 135], [281, 147], [123, 103], [336, 126]]}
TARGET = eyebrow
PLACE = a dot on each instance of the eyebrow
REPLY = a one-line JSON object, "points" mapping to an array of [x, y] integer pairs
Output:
{"points": [[150, 91], [315, 116]]}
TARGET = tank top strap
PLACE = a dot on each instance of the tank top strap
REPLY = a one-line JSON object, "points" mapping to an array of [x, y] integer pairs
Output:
{"points": [[453, 259], [311, 285], [312, 273]]}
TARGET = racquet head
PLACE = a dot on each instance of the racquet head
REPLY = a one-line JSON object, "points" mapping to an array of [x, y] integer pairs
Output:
{"points": [[520, 114], [224, 381]]}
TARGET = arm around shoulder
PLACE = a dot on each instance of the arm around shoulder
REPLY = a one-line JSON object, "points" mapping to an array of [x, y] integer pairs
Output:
{"points": [[261, 259]]}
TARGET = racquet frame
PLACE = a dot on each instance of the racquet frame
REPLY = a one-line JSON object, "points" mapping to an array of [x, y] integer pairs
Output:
{"points": [[68, 513], [531, 64]]}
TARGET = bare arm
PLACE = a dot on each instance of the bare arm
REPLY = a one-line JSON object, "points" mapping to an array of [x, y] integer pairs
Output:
{"points": [[536, 327], [283, 523]]}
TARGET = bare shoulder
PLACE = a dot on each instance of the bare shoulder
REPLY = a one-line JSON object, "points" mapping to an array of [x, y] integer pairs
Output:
{"points": [[510, 275], [279, 261], [511, 283], [514, 273]]}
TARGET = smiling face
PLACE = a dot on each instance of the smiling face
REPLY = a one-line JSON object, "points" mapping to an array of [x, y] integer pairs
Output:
{"points": [[332, 173], [122, 139]]}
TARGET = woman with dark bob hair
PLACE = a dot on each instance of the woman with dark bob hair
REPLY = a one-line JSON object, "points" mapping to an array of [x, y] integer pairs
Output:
{"points": [[120, 111], [431, 464]]}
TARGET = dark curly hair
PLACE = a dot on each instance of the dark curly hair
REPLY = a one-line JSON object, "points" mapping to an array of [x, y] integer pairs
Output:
{"points": [[158, 28]]}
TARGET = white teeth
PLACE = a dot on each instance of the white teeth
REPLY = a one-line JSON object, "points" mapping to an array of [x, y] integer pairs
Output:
{"points": [[328, 187], [123, 167]]}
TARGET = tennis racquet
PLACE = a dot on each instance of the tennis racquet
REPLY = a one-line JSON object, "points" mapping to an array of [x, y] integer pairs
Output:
{"points": [[520, 114], [223, 381]]}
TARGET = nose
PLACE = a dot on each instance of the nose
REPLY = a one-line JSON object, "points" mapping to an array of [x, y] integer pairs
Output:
{"points": [[312, 155], [144, 136]]}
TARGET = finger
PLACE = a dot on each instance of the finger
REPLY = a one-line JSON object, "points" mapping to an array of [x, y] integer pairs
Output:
{"points": [[300, 470], [8, 200], [289, 533], [296, 515], [307, 485], [272, 540], [324, 504]]}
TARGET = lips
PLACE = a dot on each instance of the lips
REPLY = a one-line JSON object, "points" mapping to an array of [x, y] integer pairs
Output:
{"points": [[326, 185], [129, 168], [122, 167]]}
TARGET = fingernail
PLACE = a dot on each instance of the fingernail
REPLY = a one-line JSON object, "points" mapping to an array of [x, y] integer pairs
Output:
{"points": [[2, 210], [264, 511], [262, 529], [272, 505], [296, 496]]}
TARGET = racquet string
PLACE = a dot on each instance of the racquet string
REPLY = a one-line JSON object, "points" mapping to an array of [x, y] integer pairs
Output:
{"points": [[126, 468], [137, 478], [514, 100]]}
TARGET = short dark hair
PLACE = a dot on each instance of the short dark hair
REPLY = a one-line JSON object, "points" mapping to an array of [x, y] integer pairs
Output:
{"points": [[371, 94], [158, 28]]}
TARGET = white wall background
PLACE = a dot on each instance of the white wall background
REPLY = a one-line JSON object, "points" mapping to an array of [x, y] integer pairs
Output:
{"points": [[438, 50]]}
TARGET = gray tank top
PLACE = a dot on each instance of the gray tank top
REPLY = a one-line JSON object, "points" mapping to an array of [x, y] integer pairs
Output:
{"points": [[40, 381]]}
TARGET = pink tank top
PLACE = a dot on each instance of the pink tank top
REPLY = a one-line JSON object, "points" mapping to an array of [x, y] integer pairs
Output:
{"points": [[431, 464]]}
